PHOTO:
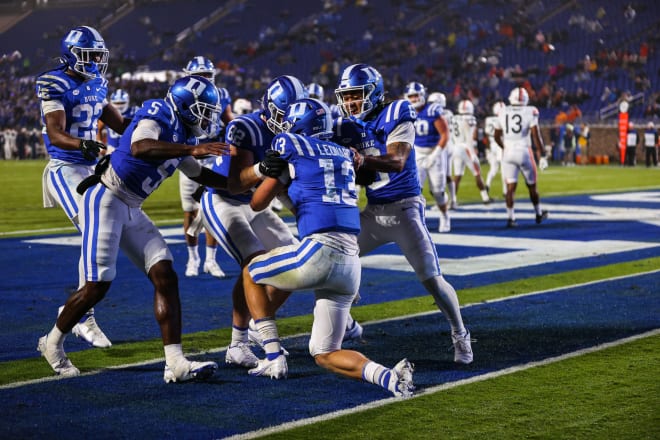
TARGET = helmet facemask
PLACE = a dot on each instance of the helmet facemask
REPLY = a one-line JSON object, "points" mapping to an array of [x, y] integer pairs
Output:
{"points": [[90, 62], [364, 104]]}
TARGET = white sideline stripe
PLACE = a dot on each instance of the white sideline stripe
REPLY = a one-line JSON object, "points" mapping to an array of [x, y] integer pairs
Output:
{"points": [[397, 318], [438, 388]]}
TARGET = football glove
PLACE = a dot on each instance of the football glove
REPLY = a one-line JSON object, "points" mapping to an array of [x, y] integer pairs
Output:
{"points": [[543, 163], [90, 149], [272, 165]]}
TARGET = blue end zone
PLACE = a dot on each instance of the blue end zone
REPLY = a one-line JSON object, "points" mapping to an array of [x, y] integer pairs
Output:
{"points": [[117, 403]]}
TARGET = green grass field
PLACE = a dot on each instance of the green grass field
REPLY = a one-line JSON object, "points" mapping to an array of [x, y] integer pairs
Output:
{"points": [[613, 393]]}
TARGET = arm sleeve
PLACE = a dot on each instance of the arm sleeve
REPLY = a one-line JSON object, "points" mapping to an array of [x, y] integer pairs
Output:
{"points": [[51, 106], [190, 167], [404, 132], [146, 129]]}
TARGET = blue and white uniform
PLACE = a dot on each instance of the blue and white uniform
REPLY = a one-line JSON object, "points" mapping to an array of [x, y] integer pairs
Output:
{"points": [[111, 215], [431, 159], [326, 260], [82, 101], [395, 205], [239, 230]]}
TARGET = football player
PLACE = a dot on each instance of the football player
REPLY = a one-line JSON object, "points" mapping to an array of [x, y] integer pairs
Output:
{"points": [[188, 188], [161, 139], [73, 99], [384, 134], [241, 107], [516, 131], [447, 114], [494, 154], [431, 136], [464, 140], [240, 231], [324, 199]]}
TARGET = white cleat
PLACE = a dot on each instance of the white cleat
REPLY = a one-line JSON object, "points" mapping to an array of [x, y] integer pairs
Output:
{"points": [[445, 224], [88, 330], [213, 268], [186, 371], [57, 359], [241, 355], [462, 348], [354, 333], [192, 268], [275, 369], [401, 380]]}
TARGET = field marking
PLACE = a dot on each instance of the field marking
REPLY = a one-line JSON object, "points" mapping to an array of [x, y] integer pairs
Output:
{"points": [[438, 388], [378, 321]]}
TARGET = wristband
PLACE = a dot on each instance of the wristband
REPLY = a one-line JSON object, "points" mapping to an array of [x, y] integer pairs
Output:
{"points": [[257, 173]]}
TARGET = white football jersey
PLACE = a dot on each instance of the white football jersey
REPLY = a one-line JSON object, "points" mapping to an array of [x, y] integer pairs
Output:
{"points": [[516, 122], [462, 130], [489, 130]]}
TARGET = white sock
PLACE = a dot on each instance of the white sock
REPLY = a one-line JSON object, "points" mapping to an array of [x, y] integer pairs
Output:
{"points": [[538, 210], [238, 335], [484, 195], [376, 373], [56, 338], [173, 354], [271, 339], [510, 213], [210, 253], [193, 253]]}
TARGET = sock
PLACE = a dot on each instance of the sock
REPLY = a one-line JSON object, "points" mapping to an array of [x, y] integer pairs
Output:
{"points": [[210, 253], [537, 208], [193, 253], [56, 338], [452, 192], [268, 331], [510, 213], [484, 195], [238, 335], [377, 374], [173, 354]]}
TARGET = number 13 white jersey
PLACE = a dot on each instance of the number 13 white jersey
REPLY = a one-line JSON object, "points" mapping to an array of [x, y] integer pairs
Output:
{"points": [[516, 122]]}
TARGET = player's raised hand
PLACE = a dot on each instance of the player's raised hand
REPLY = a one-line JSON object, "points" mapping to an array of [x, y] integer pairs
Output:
{"points": [[210, 149]]}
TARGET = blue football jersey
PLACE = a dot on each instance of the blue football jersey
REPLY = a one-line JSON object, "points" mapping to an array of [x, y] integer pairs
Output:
{"points": [[323, 186], [426, 135], [369, 138], [143, 176], [247, 132], [83, 102], [113, 136]]}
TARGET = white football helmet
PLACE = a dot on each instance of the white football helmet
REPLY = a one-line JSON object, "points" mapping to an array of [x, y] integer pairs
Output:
{"points": [[415, 93], [497, 107], [465, 107], [518, 96], [439, 98], [242, 107]]}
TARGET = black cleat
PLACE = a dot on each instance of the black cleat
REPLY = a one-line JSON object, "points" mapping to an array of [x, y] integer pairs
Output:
{"points": [[511, 223], [541, 217]]}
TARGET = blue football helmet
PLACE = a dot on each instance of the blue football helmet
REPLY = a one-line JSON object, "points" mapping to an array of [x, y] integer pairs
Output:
{"points": [[225, 99], [364, 85], [201, 66], [197, 102], [281, 92], [83, 50], [308, 117], [120, 100], [315, 91], [416, 94]]}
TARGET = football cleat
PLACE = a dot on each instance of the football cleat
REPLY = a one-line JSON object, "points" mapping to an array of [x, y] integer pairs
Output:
{"points": [[57, 359], [401, 380], [186, 371], [192, 267], [255, 338], [275, 369], [462, 348], [511, 223], [213, 268], [353, 333], [240, 354], [445, 224], [88, 330], [541, 217]]}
